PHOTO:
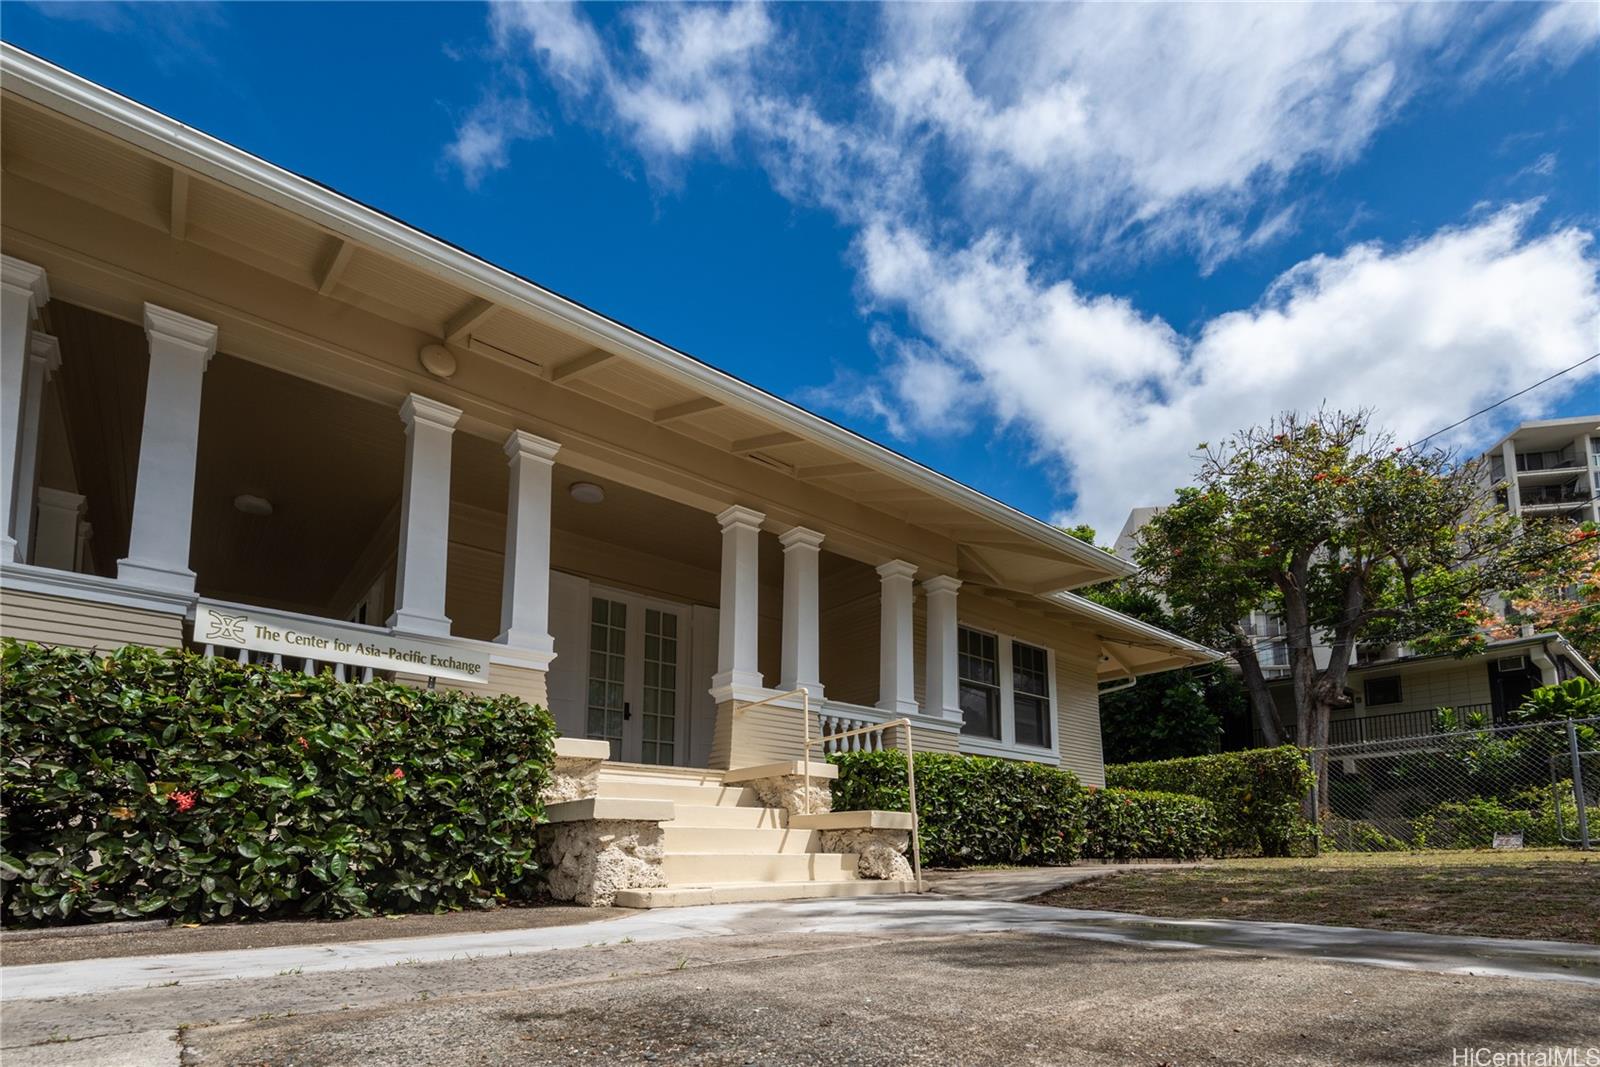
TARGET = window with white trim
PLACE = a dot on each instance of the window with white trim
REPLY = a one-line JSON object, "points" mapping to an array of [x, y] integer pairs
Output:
{"points": [[1030, 694], [1007, 693], [978, 667]]}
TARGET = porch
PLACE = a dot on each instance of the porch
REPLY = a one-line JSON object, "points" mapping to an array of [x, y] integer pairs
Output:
{"points": [[172, 494]]}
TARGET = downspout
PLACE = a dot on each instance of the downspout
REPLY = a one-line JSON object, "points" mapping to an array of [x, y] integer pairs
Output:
{"points": [[1549, 672]]}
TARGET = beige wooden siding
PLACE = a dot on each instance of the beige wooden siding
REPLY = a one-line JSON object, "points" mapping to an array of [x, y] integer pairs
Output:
{"points": [[1078, 719], [936, 740], [54, 620], [848, 649], [752, 738]]}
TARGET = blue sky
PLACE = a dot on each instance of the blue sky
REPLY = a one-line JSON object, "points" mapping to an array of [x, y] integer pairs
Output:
{"points": [[1046, 250]]}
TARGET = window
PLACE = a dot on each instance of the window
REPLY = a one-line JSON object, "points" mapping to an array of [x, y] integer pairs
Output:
{"points": [[1030, 694], [978, 665], [1381, 691]]}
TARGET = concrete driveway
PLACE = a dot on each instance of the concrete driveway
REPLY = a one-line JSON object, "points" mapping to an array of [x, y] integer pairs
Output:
{"points": [[864, 982]]}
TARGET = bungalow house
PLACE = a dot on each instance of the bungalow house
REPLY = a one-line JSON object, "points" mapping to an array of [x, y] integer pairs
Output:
{"points": [[248, 415]]}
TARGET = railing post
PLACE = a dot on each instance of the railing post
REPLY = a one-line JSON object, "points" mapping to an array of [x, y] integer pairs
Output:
{"points": [[1577, 786], [805, 751], [916, 826]]}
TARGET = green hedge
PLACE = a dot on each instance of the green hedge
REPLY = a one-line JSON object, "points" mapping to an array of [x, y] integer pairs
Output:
{"points": [[1257, 793], [1130, 824], [972, 809], [156, 783]]}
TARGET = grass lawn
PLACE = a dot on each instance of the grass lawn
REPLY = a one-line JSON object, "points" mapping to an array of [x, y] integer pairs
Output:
{"points": [[1553, 895]]}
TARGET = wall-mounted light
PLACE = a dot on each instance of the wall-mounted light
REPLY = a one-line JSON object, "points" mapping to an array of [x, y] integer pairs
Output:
{"points": [[252, 505], [586, 492]]}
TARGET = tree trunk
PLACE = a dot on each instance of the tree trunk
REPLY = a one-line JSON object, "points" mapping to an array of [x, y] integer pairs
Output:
{"points": [[1263, 709], [1314, 719], [1311, 712]]}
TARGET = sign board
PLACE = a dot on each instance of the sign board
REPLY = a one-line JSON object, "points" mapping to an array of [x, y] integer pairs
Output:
{"points": [[326, 641], [1508, 840]]}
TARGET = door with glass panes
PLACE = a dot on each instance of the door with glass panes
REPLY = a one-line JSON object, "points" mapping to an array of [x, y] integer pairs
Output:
{"points": [[638, 658]]}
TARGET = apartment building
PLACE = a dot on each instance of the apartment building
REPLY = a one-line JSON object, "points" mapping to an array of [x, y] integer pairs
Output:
{"points": [[1548, 468]]}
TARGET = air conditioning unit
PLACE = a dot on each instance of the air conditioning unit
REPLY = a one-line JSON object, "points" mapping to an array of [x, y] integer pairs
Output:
{"points": [[1512, 664]]}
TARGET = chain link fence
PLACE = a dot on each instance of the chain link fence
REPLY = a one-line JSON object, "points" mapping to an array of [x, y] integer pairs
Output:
{"points": [[1464, 786]]}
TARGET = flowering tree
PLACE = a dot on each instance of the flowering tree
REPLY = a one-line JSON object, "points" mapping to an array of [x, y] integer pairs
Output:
{"points": [[1347, 537], [1561, 593]]}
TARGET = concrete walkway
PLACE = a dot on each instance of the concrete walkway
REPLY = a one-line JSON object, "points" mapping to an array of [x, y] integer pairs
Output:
{"points": [[928, 916]]}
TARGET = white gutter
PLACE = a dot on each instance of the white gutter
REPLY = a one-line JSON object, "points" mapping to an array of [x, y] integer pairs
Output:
{"points": [[1134, 627], [60, 90]]}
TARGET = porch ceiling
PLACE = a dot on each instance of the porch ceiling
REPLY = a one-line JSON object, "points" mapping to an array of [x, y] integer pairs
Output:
{"points": [[86, 154]]}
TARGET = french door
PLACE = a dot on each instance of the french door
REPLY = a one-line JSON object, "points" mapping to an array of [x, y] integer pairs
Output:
{"points": [[638, 672]]}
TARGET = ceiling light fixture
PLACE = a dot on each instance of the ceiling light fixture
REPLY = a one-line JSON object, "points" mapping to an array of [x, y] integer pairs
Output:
{"points": [[252, 505], [586, 492], [437, 360]]}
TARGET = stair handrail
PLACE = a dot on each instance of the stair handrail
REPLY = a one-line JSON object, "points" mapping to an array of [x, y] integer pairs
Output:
{"points": [[808, 744]]}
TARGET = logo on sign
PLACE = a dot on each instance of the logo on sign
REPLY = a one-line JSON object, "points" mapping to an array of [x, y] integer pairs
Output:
{"points": [[226, 627]]}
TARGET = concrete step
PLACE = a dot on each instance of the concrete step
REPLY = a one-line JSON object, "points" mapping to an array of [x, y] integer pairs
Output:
{"points": [[678, 838], [708, 815], [746, 892], [710, 868], [645, 772], [710, 795]]}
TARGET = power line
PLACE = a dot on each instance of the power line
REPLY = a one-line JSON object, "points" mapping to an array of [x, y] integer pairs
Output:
{"points": [[1504, 400]]}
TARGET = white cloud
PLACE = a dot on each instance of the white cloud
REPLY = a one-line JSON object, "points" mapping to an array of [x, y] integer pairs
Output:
{"points": [[983, 140], [486, 134], [684, 82], [1166, 122], [1117, 400], [1561, 33], [563, 41]]}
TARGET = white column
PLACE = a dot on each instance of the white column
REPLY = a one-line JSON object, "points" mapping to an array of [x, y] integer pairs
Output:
{"points": [[163, 496], [737, 625], [1508, 453], [424, 518], [943, 693], [23, 291], [525, 584], [44, 356], [802, 659], [896, 662], [55, 542]]}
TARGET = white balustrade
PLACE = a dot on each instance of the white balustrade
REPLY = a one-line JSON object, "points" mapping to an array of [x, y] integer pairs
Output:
{"points": [[836, 719]]}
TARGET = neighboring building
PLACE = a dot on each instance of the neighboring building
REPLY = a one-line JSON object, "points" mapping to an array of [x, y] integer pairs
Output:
{"points": [[1400, 697], [244, 413], [1548, 468]]}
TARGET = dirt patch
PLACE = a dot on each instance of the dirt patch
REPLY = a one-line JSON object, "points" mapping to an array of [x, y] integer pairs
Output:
{"points": [[1553, 897], [227, 937]]}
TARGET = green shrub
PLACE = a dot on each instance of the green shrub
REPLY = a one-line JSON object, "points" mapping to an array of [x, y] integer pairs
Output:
{"points": [[971, 809], [1358, 835], [1257, 793], [1472, 823], [155, 783], [1130, 824]]}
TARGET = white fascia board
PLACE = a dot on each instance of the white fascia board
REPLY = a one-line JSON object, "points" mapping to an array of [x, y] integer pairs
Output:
{"points": [[1132, 628], [60, 90]]}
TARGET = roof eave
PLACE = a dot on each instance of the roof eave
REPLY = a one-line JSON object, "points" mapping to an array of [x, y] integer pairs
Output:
{"points": [[51, 86]]}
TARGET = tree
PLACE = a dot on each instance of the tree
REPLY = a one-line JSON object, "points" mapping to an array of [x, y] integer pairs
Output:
{"points": [[1561, 593], [1326, 522], [1167, 715]]}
